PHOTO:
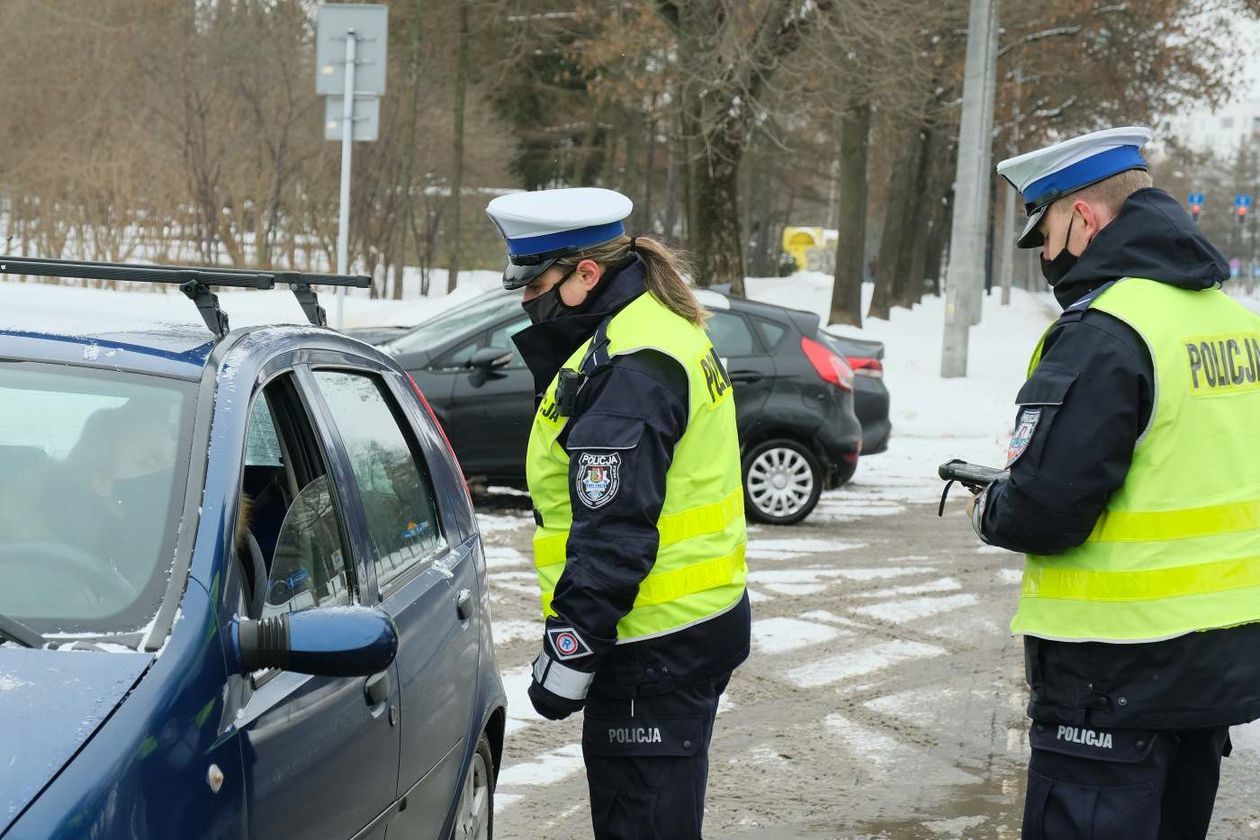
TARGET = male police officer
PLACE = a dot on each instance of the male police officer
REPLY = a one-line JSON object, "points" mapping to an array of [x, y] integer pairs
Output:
{"points": [[1134, 488], [634, 470]]}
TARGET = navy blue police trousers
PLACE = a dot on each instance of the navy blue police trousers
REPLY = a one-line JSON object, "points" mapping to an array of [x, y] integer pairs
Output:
{"points": [[647, 761], [1122, 784]]}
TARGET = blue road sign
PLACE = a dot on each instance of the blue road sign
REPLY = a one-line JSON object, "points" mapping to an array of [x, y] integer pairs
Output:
{"points": [[1195, 198], [1242, 200]]}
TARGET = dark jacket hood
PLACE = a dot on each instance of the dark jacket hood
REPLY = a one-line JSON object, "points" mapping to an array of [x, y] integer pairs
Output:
{"points": [[1153, 238], [547, 346]]}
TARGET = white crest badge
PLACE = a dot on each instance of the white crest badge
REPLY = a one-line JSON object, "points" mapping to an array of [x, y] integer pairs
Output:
{"points": [[1028, 420], [598, 478]]}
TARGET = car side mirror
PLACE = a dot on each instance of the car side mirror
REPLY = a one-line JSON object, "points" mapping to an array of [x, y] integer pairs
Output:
{"points": [[489, 358], [322, 642]]}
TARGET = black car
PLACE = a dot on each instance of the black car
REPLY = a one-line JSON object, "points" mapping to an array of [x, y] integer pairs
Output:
{"points": [[870, 395], [793, 394]]}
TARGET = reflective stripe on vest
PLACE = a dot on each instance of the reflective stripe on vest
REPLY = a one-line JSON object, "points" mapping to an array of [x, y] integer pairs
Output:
{"points": [[699, 570], [1178, 547]]}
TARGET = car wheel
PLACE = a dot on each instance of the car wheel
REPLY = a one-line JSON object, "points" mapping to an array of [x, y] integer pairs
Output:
{"points": [[474, 819], [782, 482]]}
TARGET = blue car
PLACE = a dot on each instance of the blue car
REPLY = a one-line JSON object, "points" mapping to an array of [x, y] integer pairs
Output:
{"points": [[245, 591]]}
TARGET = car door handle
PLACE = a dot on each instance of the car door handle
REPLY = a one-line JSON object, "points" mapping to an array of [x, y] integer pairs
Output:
{"points": [[378, 688], [463, 604], [747, 376]]}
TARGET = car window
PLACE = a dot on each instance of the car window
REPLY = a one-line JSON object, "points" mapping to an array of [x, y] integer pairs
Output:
{"points": [[92, 473], [299, 535], [731, 335], [476, 314], [460, 356], [502, 338], [308, 568], [397, 494], [771, 333], [262, 443]]}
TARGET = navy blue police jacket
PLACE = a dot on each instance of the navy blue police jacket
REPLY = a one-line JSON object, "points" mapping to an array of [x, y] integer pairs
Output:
{"points": [[612, 548], [1079, 454]]}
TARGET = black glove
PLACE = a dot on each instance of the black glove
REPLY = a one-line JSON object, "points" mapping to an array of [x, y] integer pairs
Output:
{"points": [[552, 706]]}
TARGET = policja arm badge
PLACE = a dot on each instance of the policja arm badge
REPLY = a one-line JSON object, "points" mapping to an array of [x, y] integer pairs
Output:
{"points": [[598, 478], [1028, 420]]}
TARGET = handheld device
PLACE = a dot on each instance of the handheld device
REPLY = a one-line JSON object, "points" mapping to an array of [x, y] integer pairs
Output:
{"points": [[972, 476]]}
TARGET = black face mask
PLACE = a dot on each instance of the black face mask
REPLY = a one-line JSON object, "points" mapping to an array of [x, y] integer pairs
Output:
{"points": [[549, 304], [1054, 270]]}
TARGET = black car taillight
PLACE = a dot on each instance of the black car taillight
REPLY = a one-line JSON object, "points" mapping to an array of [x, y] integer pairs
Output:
{"points": [[829, 365], [871, 368]]}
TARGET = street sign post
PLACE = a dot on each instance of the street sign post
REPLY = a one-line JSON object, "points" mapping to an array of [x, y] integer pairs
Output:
{"points": [[350, 51], [1242, 203]]}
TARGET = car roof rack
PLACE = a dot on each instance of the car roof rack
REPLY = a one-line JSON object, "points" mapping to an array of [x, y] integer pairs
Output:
{"points": [[195, 281]]}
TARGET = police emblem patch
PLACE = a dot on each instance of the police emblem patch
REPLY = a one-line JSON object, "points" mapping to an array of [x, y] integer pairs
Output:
{"points": [[1028, 420], [567, 644], [598, 478]]}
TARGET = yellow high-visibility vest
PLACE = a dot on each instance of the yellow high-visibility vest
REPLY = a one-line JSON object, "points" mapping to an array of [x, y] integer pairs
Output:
{"points": [[1177, 548], [699, 571]]}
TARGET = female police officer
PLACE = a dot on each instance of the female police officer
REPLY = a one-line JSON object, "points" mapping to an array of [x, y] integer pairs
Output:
{"points": [[634, 469]]}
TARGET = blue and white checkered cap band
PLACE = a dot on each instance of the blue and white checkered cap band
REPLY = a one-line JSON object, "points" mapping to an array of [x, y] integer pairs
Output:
{"points": [[1091, 170], [580, 238]]}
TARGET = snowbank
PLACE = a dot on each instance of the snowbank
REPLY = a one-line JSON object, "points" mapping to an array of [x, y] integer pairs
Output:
{"points": [[72, 309]]}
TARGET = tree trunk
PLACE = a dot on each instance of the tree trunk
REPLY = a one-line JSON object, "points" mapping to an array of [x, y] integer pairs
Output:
{"points": [[938, 241], [930, 185], [894, 252], [715, 231], [846, 292], [457, 179]]}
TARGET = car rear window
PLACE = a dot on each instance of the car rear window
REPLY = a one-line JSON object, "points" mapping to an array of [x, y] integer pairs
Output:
{"points": [[92, 471]]}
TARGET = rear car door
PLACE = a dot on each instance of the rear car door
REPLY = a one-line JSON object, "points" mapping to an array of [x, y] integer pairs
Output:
{"points": [[320, 753], [427, 585], [751, 370]]}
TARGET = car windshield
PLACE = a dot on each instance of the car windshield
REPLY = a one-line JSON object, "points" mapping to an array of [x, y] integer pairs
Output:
{"points": [[92, 466], [455, 322]]}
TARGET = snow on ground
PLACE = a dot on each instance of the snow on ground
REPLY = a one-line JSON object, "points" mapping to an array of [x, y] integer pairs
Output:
{"points": [[69, 310]]}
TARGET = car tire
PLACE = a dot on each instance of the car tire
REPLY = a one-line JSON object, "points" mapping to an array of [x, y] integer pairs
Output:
{"points": [[474, 815], [782, 482]]}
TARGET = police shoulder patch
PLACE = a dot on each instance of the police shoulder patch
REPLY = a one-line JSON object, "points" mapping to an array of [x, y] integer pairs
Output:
{"points": [[567, 643], [598, 478], [1028, 420]]}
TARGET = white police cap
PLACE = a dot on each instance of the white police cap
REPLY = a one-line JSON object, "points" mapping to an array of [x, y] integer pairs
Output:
{"points": [[1048, 174], [544, 225]]}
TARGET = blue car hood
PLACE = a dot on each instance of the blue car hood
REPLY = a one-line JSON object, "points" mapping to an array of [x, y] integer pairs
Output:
{"points": [[51, 703]]}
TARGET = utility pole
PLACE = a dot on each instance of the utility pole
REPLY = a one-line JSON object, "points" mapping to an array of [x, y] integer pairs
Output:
{"points": [[1010, 214], [985, 169], [964, 278]]}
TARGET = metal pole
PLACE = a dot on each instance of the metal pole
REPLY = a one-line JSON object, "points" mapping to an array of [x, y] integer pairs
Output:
{"points": [[347, 141], [966, 261], [985, 170]]}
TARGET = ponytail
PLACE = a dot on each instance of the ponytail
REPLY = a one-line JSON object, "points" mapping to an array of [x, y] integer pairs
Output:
{"points": [[664, 272]]}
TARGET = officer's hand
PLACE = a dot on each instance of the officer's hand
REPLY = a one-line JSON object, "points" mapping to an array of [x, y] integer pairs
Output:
{"points": [[552, 706]]}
